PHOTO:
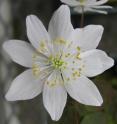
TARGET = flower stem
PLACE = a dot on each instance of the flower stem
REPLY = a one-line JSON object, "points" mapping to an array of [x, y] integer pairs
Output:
{"points": [[82, 18]]}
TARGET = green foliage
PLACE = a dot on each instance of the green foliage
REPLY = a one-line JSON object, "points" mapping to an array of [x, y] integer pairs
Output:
{"points": [[95, 118], [114, 2]]}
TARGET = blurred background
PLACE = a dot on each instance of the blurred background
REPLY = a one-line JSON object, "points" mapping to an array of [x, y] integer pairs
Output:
{"points": [[12, 26]]}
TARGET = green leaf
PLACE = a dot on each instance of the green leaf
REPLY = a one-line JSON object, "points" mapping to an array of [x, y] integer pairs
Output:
{"points": [[95, 118]]}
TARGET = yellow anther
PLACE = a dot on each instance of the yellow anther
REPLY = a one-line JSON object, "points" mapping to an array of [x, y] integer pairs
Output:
{"points": [[68, 79], [78, 56], [42, 46], [78, 48], [56, 62], [67, 55], [82, 1], [52, 83], [76, 74], [60, 41], [36, 70]]}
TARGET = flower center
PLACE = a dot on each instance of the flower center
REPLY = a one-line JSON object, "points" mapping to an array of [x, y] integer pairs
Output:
{"points": [[82, 2], [57, 62]]}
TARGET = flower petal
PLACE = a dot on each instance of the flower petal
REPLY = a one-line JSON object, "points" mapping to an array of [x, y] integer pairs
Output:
{"points": [[89, 2], [90, 9], [37, 33], [54, 96], [78, 9], [95, 62], [82, 89], [100, 2], [102, 7], [24, 87], [95, 10], [60, 25], [87, 38], [21, 52]]}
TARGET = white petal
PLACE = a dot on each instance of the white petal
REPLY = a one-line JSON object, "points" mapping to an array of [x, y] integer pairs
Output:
{"points": [[91, 9], [87, 38], [89, 2], [102, 7], [37, 33], [100, 2], [78, 9], [24, 87], [96, 62], [60, 25], [21, 52], [94, 10], [54, 97], [71, 2], [82, 89]]}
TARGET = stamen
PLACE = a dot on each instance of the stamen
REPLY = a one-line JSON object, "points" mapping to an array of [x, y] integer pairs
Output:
{"points": [[78, 48], [60, 41], [57, 80], [76, 74], [42, 47], [78, 56], [57, 62], [36, 70], [82, 1]]}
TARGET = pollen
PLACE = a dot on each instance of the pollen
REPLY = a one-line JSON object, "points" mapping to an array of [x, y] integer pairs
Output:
{"points": [[57, 63], [78, 48], [42, 47], [60, 41], [82, 1], [51, 83], [67, 55], [78, 56], [75, 75], [36, 70], [55, 82]]}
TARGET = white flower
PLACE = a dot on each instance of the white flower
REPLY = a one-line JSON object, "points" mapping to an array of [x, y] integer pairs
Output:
{"points": [[88, 5], [59, 62]]}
